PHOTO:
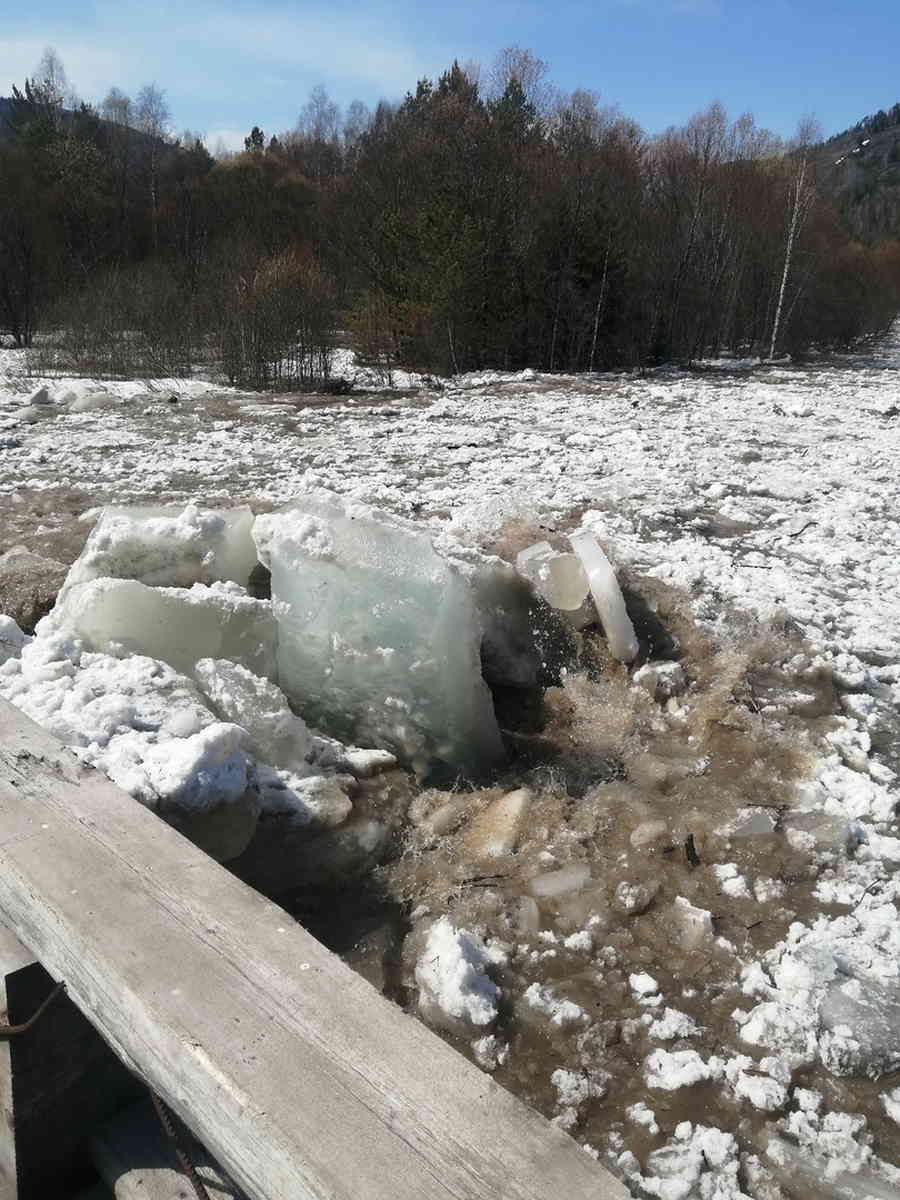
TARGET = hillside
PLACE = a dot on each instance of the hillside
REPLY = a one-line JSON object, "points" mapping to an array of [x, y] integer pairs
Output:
{"points": [[860, 170]]}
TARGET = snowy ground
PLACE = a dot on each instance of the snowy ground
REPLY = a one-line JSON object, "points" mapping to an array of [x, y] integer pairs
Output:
{"points": [[754, 1062]]}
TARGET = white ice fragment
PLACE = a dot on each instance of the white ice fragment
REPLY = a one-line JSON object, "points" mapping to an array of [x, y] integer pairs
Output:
{"points": [[455, 988], [607, 594], [750, 1083], [731, 881], [379, 634], [673, 1024], [699, 1162], [490, 1052], [643, 984], [560, 883], [640, 1114], [258, 705], [559, 579], [560, 1012], [178, 625], [671, 1070], [168, 546], [574, 1089], [580, 942], [649, 833]]}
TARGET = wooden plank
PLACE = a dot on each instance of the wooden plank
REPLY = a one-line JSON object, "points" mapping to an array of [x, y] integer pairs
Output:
{"points": [[137, 1161], [298, 1077], [57, 1081]]}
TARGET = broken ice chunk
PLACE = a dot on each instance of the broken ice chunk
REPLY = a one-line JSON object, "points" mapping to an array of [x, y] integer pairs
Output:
{"points": [[497, 828], [379, 635], [861, 1020], [607, 594], [278, 736], [671, 1070], [178, 625], [560, 883], [643, 984], [168, 547], [696, 927], [559, 579], [316, 802]]}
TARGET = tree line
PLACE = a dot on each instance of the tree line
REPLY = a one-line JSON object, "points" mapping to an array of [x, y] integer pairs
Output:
{"points": [[480, 222]]}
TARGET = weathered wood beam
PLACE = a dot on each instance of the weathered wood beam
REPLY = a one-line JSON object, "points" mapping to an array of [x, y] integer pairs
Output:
{"points": [[295, 1074]]}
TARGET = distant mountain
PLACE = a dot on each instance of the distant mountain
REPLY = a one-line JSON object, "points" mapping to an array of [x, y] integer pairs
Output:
{"points": [[859, 170]]}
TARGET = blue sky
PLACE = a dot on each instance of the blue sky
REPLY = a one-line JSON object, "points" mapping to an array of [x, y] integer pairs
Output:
{"points": [[226, 65]]}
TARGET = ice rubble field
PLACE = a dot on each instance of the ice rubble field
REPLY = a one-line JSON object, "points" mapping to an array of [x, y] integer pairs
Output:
{"points": [[769, 490]]}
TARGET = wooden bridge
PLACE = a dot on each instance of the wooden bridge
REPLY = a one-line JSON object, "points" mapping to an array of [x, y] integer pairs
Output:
{"points": [[296, 1075]]}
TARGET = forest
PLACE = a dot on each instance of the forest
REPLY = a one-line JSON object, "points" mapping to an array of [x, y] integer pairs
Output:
{"points": [[486, 220]]}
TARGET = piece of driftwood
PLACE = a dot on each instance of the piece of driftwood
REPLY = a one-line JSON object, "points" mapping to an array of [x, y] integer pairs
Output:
{"points": [[296, 1075]]}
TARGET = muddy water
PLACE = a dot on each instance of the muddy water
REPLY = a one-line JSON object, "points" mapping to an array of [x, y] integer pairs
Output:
{"points": [[644, 792]]}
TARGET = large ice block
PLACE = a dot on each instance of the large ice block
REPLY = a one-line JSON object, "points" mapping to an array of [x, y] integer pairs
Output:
{"points": [[379, 635], [178, 625], [169, 547]]}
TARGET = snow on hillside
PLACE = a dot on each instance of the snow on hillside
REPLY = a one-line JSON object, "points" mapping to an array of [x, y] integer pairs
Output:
{"points": [[767, 491]]}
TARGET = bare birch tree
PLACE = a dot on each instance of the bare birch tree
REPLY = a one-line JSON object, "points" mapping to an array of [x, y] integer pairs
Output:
{"points": [[801, 196]]}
